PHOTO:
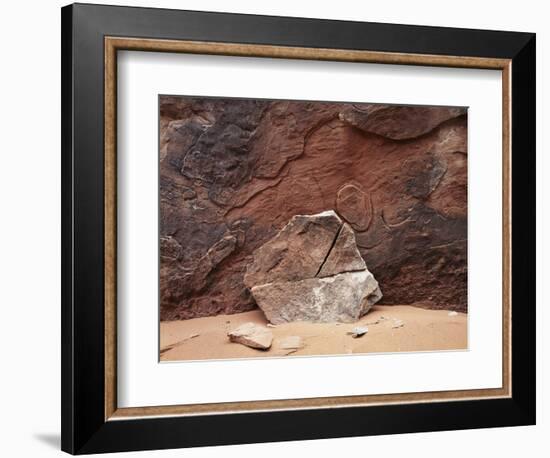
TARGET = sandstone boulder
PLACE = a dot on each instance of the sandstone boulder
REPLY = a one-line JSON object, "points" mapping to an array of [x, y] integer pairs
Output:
{"points": [[312, 271]]}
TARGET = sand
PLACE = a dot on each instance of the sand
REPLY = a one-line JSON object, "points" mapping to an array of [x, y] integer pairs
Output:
{"points": [[396, 328]]}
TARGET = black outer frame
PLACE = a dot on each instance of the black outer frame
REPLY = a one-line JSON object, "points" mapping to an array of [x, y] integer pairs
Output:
{"points": [[84, 429]]}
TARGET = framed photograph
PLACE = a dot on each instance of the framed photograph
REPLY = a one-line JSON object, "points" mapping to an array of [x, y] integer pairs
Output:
{"points": [[270, 222]]}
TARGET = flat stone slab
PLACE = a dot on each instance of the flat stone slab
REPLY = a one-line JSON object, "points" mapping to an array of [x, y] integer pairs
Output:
{"points": [[358, 332], [291, 343], [252, 335]]}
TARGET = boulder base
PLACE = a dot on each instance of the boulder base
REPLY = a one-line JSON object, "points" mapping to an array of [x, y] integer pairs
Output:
{"points": [[340, 298]]}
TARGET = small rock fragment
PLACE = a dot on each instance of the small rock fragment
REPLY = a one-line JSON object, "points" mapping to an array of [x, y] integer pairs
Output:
{"points": [[291, 343], [252, 335], [377, 321], [453, 313], [269, 325], [180, 342], [358, 331], [397, 324]]}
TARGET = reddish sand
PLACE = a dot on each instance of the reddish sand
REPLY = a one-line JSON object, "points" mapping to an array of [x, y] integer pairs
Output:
{"points": [[420, 330]]}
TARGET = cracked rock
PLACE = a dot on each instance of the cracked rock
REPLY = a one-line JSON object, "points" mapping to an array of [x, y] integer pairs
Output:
{"points": [[312, 271], [344, 255], [297, 252]]}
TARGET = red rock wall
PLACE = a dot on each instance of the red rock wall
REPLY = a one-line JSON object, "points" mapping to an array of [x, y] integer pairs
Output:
{"points": [[234, 171]]}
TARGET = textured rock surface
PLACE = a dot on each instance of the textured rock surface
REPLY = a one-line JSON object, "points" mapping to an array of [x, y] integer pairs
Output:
{"points": [[398, 122], [297, 252], [252, 335], [340, 298], [233, 173], [344, 255], [312, 271]]}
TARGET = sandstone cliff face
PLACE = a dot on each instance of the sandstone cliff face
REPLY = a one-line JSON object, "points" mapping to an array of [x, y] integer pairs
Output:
{"points": [[233, 172]]}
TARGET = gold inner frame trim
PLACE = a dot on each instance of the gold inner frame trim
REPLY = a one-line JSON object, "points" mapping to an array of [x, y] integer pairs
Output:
{"points": [[114, 44]]}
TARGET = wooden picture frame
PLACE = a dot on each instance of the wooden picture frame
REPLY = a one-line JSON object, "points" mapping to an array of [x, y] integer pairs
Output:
{"points": [[91, 37]]}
